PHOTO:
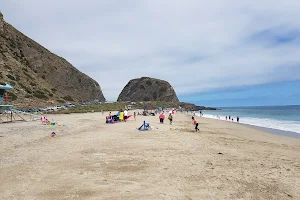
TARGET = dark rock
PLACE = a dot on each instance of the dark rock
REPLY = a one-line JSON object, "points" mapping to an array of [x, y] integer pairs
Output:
{"points": [[193, 107], [148, 89]]}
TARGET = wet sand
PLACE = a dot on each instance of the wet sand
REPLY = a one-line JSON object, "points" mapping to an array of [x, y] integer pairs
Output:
{"points": [[92, 160]]}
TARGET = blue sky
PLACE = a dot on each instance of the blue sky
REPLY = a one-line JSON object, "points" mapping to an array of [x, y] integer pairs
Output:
{"points": [[208, 49], [283, 93]]}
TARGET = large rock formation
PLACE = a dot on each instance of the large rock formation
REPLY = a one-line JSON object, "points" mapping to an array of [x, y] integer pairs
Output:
{"points": [[148, 89], [39, 75]]}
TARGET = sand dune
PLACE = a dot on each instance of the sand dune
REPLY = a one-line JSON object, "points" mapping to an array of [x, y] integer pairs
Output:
{"points": [[92, 160]]}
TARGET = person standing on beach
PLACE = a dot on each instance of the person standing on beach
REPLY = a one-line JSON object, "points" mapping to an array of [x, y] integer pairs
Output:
{"points": [[170, 118], [121, 115], [125, 114], [237, 119], [161, 118], [134, 115], [196, 124]]}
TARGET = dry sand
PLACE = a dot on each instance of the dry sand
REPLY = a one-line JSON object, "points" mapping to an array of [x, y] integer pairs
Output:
{"points": [[93, 160]]}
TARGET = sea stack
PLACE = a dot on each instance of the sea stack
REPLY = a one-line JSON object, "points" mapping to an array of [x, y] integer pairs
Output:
{"points": [[148, 89], [38, 75]]}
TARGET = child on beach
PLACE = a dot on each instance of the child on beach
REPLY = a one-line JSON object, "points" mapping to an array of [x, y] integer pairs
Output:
{"points": [[43, 120], [170, 118], [196, 124], [121, 115]]}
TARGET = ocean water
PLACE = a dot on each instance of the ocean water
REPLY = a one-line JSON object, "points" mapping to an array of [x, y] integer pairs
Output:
{"points": [[285, 118]]}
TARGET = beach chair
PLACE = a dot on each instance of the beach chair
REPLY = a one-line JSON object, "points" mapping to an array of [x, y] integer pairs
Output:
{"points": [[145, 127]]}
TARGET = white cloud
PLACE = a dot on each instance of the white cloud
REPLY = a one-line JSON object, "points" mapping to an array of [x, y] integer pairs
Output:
{"points": [[195, 45]]}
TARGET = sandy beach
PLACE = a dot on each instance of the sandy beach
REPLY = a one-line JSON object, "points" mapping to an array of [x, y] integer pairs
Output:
{"points": [[92, 160]]}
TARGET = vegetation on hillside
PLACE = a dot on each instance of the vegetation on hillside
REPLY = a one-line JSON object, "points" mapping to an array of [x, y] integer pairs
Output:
{"points": [[93, 108], [151, 105]]}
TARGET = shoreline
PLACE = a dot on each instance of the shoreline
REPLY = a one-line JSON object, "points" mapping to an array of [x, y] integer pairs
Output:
{"points": [[261, 128], [274, 131]]}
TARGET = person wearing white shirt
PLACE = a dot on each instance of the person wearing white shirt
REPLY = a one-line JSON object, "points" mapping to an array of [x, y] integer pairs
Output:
{"points": [[125, 115]]}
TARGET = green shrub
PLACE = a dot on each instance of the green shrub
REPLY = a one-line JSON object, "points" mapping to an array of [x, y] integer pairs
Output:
{"points": [[47, 91], [40, 92], [12, 83], [25, 69], [25, 88], [40, 95], [28, 96], [28, 75], [32, 84], [10, 77], [12, 96], [60, 101], [28, 90], [68, 98], [18, 78], [7, 67]]}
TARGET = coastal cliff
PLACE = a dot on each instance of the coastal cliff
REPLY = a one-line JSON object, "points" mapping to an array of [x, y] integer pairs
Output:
{"points": [[38, 75]]}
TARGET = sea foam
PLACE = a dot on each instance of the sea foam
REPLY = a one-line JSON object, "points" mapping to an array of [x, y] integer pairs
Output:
{"points": [[293, 126]]}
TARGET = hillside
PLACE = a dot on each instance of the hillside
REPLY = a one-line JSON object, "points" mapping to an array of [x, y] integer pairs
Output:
{"points": [[148, 89], [39, 76]]}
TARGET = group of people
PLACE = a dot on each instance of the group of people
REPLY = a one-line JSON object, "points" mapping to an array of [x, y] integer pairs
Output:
{"points": [[170, 118], [121, 115], [45, 121], [162, 117], [232, 119]]}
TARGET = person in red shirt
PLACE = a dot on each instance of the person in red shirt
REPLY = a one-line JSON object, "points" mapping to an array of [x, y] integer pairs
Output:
{"points": [[161, 118], [196, 124]]}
